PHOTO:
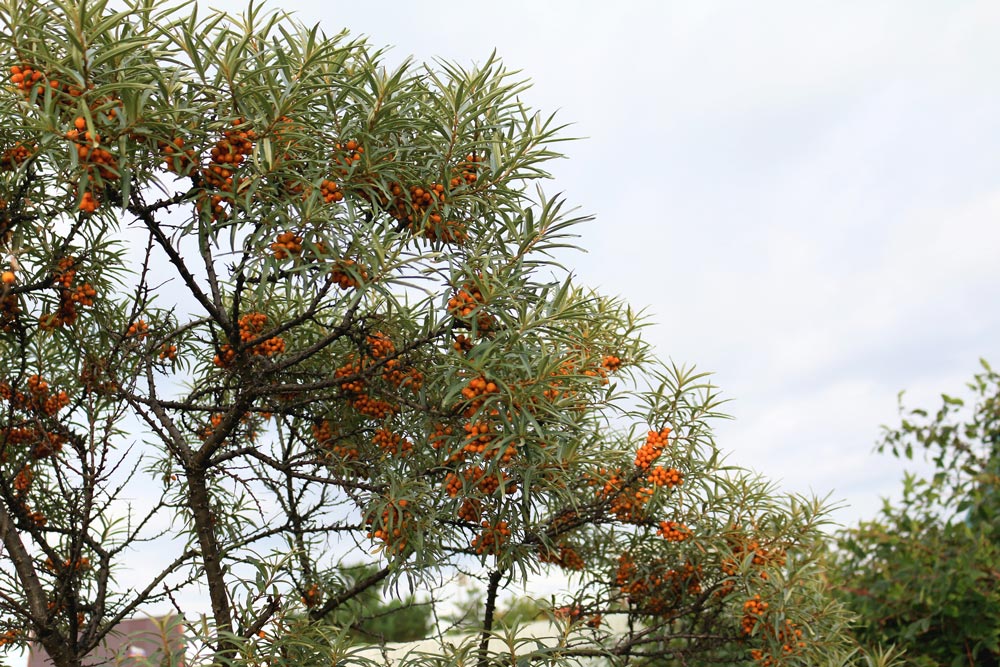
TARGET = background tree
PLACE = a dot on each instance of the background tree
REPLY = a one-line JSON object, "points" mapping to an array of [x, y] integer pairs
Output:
{"points": [[925, 574], [273, 305], [370, 618]]}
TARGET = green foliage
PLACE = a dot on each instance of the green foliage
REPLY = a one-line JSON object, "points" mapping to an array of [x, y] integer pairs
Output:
{"points": [[273, 306], [925, 575], [512, 613], [369, 618], [521, 610]]}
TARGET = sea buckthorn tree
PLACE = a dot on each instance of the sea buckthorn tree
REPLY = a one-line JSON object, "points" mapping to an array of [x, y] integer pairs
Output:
{"points": [[272, 307]]}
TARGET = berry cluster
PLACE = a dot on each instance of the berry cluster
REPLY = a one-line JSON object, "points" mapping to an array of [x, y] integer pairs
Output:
{"points": [[10, 310], [73, 565], [564, 521], [629, 506], [478, 436], [89, 151], [391, 443], [94, 376], [357, 375], [611, 363], [283, 137], [651, 450], [476, 392], [98, 163], [468, 167], [476, 479], [41, 399], [89, 202], [138, 329], [213, 423], [567, 557], [29, 80], [673, 531], [491, 538], [226, 157], [350, 374], [745, 547], [627, 500], [330, 192], [26, 79], [465, 300], [422, 210], [440, 435], [579, 364], [789, 635], [471, 510], [346, 155], [481, 432], [71, 296], [754, 610], [251, 328], [657, 589], [573, 613], [391, 526], [35, 517], [668, 477], [176, 158], [286, 245], [333, 446], [15, 156], [23, 480], [374, 408], [380, 345], [347, 273], [468, 301], [42, 443], [480, 474], [395, 373], [289, 245], [228, 154], [462, 344]]}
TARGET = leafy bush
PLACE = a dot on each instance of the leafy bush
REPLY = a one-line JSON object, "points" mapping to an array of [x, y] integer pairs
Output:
{"points": [[925, 575]]}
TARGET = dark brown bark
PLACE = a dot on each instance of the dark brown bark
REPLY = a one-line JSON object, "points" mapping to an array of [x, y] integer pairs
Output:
{"points": [[211, 554], [50, 637], [491, 606]]}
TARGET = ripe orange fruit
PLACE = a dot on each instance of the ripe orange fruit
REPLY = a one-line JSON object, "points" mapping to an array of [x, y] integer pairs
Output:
{"points": [[8, 277]]}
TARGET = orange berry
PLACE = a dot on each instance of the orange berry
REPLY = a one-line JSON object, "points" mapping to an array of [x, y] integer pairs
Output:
{"points": [[88, 203]]}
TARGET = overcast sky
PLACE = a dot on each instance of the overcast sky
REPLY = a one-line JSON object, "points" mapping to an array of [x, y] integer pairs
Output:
{"points": [[803, 194]]}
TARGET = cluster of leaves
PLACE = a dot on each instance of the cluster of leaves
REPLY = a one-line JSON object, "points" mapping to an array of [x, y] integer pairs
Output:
{"points": [[925, 575], [304, 308]]}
